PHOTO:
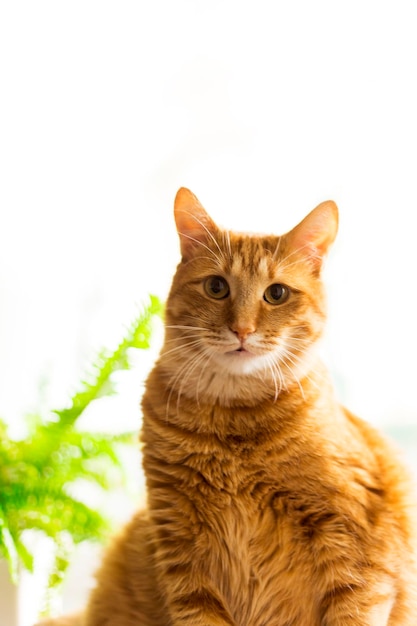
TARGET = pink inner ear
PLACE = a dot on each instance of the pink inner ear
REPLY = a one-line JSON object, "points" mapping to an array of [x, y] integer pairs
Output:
{"points": [[194, 225], [315, 234]]}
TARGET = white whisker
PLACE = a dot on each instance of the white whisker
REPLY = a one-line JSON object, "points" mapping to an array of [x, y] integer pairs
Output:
{"points": [[283, 265], [276, 251], [209, 233], [183, 327], [199, 258], [203, 369], [292, 371], [226, 236], [186, 373], [218, 259], [276, 373], [182, 346], [296, 359], [277, 387]]}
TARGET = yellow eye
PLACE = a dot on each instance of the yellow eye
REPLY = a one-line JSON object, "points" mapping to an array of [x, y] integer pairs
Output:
{"points": [[216, 287], [276, 294]]}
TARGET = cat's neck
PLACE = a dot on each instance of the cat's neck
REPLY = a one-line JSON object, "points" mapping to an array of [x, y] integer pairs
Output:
{"points": [[214, 386], [240, 395]]}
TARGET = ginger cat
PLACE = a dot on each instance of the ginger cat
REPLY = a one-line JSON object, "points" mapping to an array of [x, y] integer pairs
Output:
{"points": [[269, 504]]}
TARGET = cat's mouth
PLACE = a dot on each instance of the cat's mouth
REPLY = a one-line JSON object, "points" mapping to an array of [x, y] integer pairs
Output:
{"points": [[241, 360], [241, 351]]}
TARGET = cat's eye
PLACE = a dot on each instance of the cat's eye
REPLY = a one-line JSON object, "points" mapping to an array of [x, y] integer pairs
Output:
{"points": [[216, 287], [276, 294]]}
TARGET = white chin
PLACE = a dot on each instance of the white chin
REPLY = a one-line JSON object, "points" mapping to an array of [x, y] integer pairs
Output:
{"points": [[241, 362]]}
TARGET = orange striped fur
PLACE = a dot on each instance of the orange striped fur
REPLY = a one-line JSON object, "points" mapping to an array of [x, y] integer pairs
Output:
{"points": [[269, 504]]}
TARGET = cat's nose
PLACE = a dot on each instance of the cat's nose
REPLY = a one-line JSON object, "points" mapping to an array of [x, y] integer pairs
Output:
{"points": [[243, 331]]}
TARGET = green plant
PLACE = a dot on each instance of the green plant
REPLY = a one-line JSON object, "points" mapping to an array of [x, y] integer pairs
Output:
{"points": [[38, 473]]}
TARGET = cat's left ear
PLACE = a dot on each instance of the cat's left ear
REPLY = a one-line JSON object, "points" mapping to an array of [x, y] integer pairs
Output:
{"points": [[313, 236], [194, 225]]}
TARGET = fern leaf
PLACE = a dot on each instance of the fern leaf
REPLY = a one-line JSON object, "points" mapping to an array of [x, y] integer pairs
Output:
{"points": [[8, 547], [99, 384]]}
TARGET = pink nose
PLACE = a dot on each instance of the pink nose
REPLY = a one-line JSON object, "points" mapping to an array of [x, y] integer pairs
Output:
{"points": [[243, 331]]}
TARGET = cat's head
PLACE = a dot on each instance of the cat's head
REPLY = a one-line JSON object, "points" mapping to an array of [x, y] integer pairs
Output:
{"points": [[244, 310]]}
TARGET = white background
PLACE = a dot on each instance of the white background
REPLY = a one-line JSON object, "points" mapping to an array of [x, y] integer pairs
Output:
{"points": [[262, 108]]}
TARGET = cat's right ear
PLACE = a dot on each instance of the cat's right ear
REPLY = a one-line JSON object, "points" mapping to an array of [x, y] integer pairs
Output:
{"points": [[194, 225]]}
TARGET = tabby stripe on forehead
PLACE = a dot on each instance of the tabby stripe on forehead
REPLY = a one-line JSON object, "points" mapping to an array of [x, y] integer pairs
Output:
{"points": [[249, 256]]}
